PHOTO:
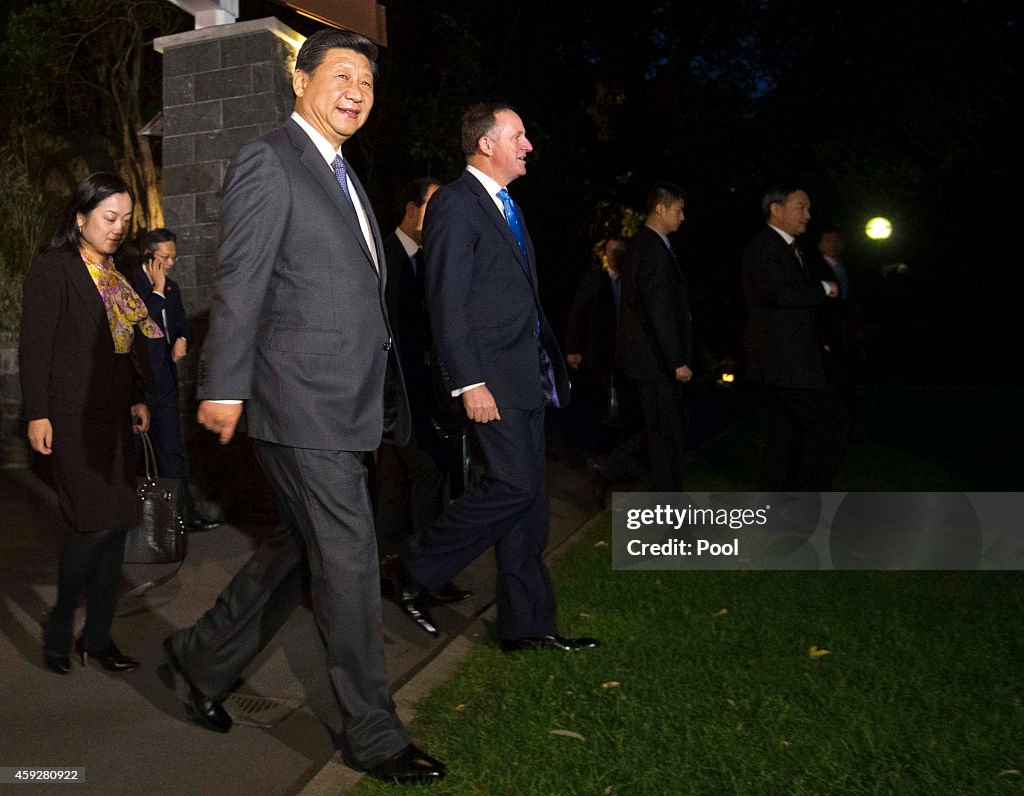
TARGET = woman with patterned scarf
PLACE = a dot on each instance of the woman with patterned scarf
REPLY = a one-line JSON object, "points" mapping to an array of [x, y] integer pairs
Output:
{"points": [[83, 377]]}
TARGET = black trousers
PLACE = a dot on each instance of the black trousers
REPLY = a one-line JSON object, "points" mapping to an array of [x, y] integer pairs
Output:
{"points": [[411, 484], [166, 435], [508, 509], [326, 515], [806, 436], [91, 563], [662, 411]]}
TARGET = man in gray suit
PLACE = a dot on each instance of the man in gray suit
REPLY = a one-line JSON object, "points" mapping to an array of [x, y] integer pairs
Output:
{"points": [[300, 337]]}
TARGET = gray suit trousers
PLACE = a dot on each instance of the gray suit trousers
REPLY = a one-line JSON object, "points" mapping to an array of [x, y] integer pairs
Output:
{"points": [[326, 514]]}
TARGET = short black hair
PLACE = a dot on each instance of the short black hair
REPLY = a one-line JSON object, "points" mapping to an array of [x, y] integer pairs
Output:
{"points": [[478, 121], [415, 192], [153, 239], [315, 48], [86, 196], [776, 195], [664, 193]]}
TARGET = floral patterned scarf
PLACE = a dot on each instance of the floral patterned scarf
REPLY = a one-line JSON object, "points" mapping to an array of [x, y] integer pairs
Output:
{"points": [[123, 305]]}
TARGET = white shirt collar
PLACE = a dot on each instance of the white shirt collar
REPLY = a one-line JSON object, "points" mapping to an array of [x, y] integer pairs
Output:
{"points": [[410, 246], [785, 235], [322, 144], [490, 186]]}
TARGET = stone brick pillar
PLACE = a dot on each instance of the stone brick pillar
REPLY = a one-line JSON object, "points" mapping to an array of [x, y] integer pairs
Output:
{"points": [[223, 86], [14, 449]]}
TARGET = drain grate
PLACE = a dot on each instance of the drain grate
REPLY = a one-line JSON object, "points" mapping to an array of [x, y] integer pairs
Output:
{"points": [[252, 710]]}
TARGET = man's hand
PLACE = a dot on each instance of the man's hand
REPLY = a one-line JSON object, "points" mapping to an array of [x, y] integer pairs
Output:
{"points": [[683, 373], [573, 360], [40, 435], [140, 418], [158, 275], [221, 419], [179, 350], [480, 406], [832, 289]]}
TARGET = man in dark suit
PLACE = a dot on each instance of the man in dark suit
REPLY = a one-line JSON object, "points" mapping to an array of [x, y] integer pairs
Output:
{"points": [[498, 356], [152, 281], [654, 348], [838, 320], [299, 334], [590, 354], [784, 349], [411, 478]]}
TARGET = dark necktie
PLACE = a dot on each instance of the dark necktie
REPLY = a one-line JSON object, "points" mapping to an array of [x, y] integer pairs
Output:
{"points": [[797, 253], [416, 261], [338, 164], [512, 217]]}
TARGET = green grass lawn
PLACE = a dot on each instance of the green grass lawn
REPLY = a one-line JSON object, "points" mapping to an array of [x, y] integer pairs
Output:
{"points": [[765, 682]]}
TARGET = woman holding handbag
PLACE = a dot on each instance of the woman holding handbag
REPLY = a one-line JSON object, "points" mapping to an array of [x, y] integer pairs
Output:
{"points": [[83, 377]]}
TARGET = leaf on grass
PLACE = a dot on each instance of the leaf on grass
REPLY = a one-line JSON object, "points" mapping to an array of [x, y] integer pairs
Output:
{"points": [[813, 653], [585, 615], [721, 612], [608, 790], [1009, 772], [786, 744], [600, 543], [732, 703], [461, 706], [611, 684], [568, 734]]}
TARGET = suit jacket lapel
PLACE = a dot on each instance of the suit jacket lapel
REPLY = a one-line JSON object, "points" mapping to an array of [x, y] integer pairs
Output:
{"points": [[321, 171], [496, 216], [86, 290]]}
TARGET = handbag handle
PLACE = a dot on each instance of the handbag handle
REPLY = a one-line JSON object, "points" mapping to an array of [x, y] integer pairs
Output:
{"points": [[149, 455]]}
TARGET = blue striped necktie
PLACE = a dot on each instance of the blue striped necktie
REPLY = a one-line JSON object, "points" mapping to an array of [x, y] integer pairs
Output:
{"points": [[512, 217]]}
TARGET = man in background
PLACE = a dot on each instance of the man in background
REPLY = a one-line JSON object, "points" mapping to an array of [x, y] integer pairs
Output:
{"points": [[411, 479], [152, 281], [655, 345], [809, 424]]}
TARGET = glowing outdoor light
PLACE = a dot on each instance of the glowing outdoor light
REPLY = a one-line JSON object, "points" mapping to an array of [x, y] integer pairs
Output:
{"points": [[728, 378], [878, 228]]}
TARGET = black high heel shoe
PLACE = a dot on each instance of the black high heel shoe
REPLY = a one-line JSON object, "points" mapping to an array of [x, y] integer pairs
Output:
{"points": [[58, 664], [111, 658]]}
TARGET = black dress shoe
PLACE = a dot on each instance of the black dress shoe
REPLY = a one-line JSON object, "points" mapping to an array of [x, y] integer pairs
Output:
{"points": [[410, 596], [111, 658], [411, 766], [414, 605], [206, 712], [449, 593], [548, 643], [199, 524], [58, 664]]}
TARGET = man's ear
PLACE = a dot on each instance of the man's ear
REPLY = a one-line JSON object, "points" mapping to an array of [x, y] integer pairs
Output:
{"points": [[299, 80]]}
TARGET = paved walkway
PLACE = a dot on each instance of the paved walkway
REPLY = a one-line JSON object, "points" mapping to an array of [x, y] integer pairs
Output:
{"points": [[129, 733]]}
